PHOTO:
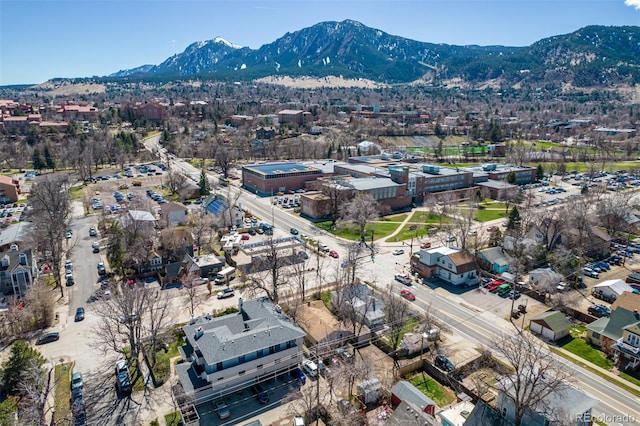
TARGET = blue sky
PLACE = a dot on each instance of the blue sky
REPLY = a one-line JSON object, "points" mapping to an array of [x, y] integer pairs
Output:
{"points": [[43, 39]]}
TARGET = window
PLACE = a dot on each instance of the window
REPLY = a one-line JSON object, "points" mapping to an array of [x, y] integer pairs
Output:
{"points": [[218, 366], [504, 412], [277, 361], [259, 366], [240, 373], [240, 359]]}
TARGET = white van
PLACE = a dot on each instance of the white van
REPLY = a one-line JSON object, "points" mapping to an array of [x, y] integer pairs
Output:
{"points": [[310, 367]]}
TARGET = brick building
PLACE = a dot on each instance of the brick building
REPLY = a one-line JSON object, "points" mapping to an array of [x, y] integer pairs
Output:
{"points": [[271, 178], [9, 189]]}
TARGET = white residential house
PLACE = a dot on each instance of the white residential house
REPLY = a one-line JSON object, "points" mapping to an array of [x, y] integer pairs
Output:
{"points": [[173, 214], [17, 271], [358, 301], [140, 220], [450, 264], [231, 352]]}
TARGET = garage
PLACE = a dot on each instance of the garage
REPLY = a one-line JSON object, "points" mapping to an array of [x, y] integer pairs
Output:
{"points": [[552, 325]]}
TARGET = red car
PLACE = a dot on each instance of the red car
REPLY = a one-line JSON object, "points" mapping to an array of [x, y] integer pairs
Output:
{"points": [[334, 254], [493, 285], [407, 294], [245, 237]]}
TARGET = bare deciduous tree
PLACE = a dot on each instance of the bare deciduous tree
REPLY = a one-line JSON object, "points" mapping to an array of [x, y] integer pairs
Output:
{"points": [[360, 211], [537, 374], [272, 276], [139, 317], [51, 204]]}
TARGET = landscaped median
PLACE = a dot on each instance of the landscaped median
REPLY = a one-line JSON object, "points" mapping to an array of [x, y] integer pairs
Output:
{"points": [[62, 380]]}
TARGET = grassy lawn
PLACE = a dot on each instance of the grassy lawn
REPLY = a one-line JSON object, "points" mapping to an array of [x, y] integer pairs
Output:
{"points": [[439, 394], [173, 419], [394, 218], [162, 368], [487, 215], [577, 346], [426, 217], [406, 233], [62, 377], [493, 205], [352, 232], [633, 377]]}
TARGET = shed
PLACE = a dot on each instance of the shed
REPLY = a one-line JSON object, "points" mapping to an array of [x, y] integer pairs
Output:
{"points": [[612, 288], [494, 259], [370, 391], [552, 325], [404, 391]]}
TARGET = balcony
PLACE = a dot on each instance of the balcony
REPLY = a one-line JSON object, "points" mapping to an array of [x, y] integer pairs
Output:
{"points": [[627, 348]]}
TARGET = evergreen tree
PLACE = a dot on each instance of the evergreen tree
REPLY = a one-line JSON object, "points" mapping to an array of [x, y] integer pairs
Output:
{"points": [[205, 189], [514, 219], [36, 160], [539, 172], [48, 159], [511, 178], [23, 358]]}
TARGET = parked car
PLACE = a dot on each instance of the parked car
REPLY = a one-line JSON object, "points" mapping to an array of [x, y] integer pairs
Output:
{"points": [[79, 314], [344, 354], [450, 239], [96, 247], [599, 310], [407, 294], [225, 293], [334, 254], [293, 231], [101, 269], [93, 232], [76, 380], [590, 273], [223, 410], [67, 235], [443, 363], [299, 375], [259, 394], [403, 278], [397, 252], [48, 338], [69, 278], [310, 367], [123, 383]]}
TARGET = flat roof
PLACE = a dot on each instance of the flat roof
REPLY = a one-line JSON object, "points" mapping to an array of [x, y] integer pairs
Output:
{"points": [[497, 184], [277, 168], [364, 184]]}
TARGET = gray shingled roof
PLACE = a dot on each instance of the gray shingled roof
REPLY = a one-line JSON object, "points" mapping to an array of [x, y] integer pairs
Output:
{"points": [[406, 392], [566, 400], [258, 326]]}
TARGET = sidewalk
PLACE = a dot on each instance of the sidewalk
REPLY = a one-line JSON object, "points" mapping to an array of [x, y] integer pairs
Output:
{"points": [[612, 377]]}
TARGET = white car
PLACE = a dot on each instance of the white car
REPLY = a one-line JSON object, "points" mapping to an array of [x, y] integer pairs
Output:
{"points": [[403, 278], [310, 367], [398, 251]]}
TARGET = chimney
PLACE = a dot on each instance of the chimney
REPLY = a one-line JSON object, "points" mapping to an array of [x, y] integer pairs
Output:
{"points": [[199, 333], [22, 259], [5, 261], [13, 247]]}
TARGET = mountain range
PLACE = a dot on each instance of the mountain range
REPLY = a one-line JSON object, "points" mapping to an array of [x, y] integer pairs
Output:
{"points": [[591, 56]]}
